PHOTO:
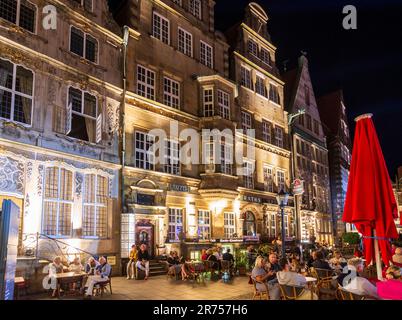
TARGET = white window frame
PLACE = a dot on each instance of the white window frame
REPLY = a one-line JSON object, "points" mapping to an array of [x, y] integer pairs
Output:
{"points": [[264, 54], [85, 34], [176, 213], [275, 95], [145, 84], [226, 150], [169, 96], [260, 86], [58, 201], [195, 8], [204, 224], [206, 54], [208, 101], [159, 34], [246, 121], [248, 174], [96, 206], [229, 224], [279, 138], [185, 42], [279, 179], [245, 77], [18, 17], [268, 174], [171, 157], [253, 47], [272, 224], [148, 155], [14, 93], [266, 131], [224, 104]]}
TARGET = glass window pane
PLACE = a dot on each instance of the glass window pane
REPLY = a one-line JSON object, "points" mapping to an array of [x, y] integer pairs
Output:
{"points": [[75, 97], [89, 196], [22, 109], [5, 104], [50, 218], [6, 74], [27, 16], [24, 81], [102, 190], [52, 183], [66, 185], [65, 223], [77, 42], [90, 105], [91, 49], [8, 10]]}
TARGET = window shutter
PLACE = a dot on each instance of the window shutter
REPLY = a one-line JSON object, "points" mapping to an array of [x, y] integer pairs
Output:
{"points": [[69, 116], [99, 128]]}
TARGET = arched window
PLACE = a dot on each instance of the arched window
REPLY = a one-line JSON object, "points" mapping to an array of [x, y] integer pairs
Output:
{"points": [[249, 228]]}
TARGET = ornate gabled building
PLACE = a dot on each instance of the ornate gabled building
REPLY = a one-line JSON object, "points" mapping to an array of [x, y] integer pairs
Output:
{"points": [[397, 186], [310, 156], [60, 90], [336, 128], [178, 80]]}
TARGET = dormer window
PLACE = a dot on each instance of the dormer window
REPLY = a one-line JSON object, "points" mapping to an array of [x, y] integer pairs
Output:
{"points": [[195, 8], [265, 56]]}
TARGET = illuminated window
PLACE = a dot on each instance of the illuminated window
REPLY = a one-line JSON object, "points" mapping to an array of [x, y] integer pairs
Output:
{"points": [[274, 94], [145, 82], [260, 87], [229, 224], [246, 77], [172, 157], [206, 55], [144, 157], [253, 48], [20, 12], [248, 174], [249, 224], [16, 92], [272, 224], [175, 223], [266, 131], [58, 202], [268, 179], [245, 121], [94, 219], [171, 93], [280, 176], [161, 28], [226, 158], [265, 56], [185, 42], [204, 224], [208, 100], [224, 105], [279, 137]]}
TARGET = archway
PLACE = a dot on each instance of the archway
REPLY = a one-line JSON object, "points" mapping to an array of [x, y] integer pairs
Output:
{"points": [[249, 224]]}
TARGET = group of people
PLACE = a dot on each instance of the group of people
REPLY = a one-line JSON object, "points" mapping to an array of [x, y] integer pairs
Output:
{"points": [[95, 272], [139, 258], [347, 274]]}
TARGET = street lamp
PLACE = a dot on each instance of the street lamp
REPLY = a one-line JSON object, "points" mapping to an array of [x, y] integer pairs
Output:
{"points": [[282, 199]]}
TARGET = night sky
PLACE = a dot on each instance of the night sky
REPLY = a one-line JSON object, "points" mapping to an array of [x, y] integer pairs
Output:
{"points": [[366, 63]]}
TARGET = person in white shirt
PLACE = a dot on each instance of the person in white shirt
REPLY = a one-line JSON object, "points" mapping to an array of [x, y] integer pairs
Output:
{"points": [[352, 282]]}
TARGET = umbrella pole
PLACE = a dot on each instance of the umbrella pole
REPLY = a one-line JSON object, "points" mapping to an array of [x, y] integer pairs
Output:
{"points": [[377, 256]]}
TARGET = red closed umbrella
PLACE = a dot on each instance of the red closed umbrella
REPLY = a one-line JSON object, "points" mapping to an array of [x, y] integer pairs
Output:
{"points": [[370, 202]]}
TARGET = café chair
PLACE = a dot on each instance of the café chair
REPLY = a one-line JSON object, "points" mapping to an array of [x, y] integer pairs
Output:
{"points": [[262, 294], [343, 295], [291, 292], [101, 287]]}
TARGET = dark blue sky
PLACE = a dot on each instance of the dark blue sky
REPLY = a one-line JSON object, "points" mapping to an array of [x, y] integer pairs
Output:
{"points": [[366, 63]]}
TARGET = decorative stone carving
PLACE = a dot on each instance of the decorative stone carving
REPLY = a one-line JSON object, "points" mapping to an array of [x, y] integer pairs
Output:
{"points": [[11, 175], [29, 170], [78, 183], [40, 180]]}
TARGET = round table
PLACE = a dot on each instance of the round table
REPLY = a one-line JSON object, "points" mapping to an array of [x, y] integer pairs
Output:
{"points": [[310, 283]]}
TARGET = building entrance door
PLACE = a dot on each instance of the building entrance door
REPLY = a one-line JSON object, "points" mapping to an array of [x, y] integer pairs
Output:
{"points": [[144, 233]]}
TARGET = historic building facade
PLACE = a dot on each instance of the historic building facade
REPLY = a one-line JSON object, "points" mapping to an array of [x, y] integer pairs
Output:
{"points": [[60, 90], [336, 128], [178, 79], [310, 156], [397, 186]]}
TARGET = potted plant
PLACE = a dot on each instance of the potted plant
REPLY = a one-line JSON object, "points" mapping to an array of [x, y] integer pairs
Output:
{"points": [[241, 262]]}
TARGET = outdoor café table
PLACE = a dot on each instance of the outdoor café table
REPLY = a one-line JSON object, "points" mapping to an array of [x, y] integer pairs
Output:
{"points": [[68, 278], [311, 283]]}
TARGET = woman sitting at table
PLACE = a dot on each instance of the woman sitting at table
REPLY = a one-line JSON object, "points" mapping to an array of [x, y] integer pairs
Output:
{"points": [[54, 268], [260, 275], [186, 269], [75, 267], [337, 262], [91, 266], [392, 288], [173, 263], [290, 278]]}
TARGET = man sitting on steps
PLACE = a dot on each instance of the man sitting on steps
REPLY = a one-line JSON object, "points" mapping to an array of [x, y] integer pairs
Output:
{"points": [[143, 260]]}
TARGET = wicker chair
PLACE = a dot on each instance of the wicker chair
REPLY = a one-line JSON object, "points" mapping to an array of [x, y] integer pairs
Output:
{"points": [[291, 292], [323, 276], [260, 293], [342, 294], [100, 287]]}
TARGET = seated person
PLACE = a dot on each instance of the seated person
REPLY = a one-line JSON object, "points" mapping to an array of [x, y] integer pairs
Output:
{"points": [[295, 265], [391, 289], [311, 259], [319, 262], [54, 268], [75, 266], [102, 274], [143, 260], [397, 258], [290, 278], [186, 269], [354, 283], [260, 275], [91, 266], [204, 255], [174, 263], [337, 262], [132, 262], [227, 256], [272, 267], [215, 263]]}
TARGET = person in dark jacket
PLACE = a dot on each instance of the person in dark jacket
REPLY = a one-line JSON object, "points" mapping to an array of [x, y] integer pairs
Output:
{"points": [[143, 260], [319, 262]]}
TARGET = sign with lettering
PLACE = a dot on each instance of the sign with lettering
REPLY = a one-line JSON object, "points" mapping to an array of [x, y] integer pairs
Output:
{"points": [[298, 187], [252, 199], [179, 188], [111, 260]]}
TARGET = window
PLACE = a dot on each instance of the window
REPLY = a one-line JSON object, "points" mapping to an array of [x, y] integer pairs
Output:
{"points": [[272, 224], [175, 224], [83, 44], [195, 8], [20, 12], [94, 218], [185, 42], [308, 122], [245, 121], [172, 157], [84, 123], [274, 94], [226, 158], [206, 55], [266, 131], [144, 156], [253, 48], [280, 176], [224, 105], [301, 120], [246, 78], [316, 127], [161, 28], [249, 224], [171, 93], [208, 102], [209, 150], [260, 86], [145, 82], [204, 224], [87, 4], [229, 224], [248, 174], [58, 202], [268, 179], [16, 92], [279, 137], [265, 56]]}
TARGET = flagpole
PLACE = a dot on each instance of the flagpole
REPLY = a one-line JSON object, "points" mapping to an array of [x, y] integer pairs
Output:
{"points": [[377, 257]]}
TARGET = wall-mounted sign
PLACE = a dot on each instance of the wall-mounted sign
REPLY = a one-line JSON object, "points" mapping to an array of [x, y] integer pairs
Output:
{"points": [[111, 260], [298, 187], [251, 238], [252, 199], [179, 188]]}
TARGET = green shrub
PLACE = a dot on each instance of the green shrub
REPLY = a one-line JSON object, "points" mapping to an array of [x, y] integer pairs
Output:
{"points": [[351, 238]]}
